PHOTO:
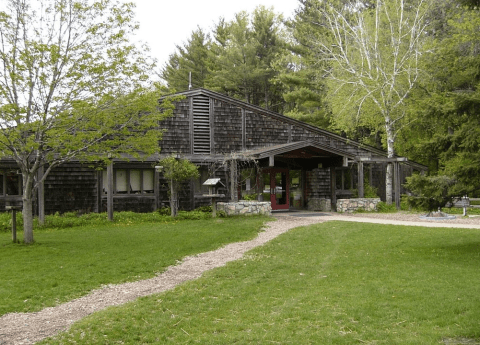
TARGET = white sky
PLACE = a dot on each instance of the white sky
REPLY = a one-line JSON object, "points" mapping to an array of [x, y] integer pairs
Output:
{"points": [[167, 23]]}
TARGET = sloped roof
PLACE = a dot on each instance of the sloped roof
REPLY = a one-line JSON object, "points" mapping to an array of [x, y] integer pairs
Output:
{"points": [[259, 110]]}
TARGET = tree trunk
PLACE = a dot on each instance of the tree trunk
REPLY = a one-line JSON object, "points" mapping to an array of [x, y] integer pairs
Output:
{"points": [[27, 219], [27, 211], [391, 154]]}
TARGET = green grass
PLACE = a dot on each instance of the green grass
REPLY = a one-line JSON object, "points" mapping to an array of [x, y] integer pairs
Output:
{"points": [[331, 283], [66, 263]]}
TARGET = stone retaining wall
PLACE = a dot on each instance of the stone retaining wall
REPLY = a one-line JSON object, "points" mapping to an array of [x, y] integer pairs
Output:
{"points": [[352, 205], [243, 207]]}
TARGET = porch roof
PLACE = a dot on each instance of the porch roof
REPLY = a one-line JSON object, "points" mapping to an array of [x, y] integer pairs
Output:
{"points": [[299, 149]]}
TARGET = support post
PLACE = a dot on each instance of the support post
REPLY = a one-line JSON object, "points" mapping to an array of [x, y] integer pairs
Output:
{"points": [[41, 196], [14, 225], [233, 181], [110, 191], [214, 207], [360, 188], [396, 172], [333, 183]]}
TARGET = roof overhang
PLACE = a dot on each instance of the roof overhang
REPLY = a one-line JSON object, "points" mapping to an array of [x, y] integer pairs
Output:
{"points": [[299, 149]]}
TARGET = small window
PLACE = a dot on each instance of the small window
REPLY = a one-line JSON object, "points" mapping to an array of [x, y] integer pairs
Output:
{"points": [[121, 182], [148, 181], [135, 181]]}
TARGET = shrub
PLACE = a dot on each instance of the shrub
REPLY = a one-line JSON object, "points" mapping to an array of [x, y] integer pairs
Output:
{"points": [[250, 197], [368, 191], [383, 207], [429, 192]]}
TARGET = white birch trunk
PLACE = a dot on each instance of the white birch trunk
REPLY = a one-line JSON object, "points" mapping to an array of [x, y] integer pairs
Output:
{"points": [[391, 153]]}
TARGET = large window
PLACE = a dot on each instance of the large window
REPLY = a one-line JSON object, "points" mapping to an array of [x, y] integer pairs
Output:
{"points": [[10, 183], [130, 181]]}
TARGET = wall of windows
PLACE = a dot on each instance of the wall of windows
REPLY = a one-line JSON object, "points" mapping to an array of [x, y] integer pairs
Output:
{"points": [[130, 181]]}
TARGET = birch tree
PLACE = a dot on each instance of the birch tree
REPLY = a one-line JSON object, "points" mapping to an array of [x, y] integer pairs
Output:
{"points": [[370, 56], [72, 86]]}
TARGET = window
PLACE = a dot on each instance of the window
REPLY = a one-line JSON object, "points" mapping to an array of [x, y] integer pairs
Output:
{"points": [[199, 187], [10, 183], [130, 181]]}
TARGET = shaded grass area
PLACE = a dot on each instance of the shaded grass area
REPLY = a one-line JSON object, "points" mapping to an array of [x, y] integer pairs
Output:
{"points": [[67, 263], [331, 283]]}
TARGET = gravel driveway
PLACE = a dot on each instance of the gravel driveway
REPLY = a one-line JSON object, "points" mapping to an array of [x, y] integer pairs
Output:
{"points": [[28, 328]]}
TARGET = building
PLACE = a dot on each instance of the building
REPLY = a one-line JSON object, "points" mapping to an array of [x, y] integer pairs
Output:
{"points": [[257, 154]]}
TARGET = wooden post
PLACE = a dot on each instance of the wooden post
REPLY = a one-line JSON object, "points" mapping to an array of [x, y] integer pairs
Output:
{"points": [[214, 207], [360, 188], [156, 188], [396, 178], [110, 191], [14, 225], [41, 196], [233, 181], [333, 183]]}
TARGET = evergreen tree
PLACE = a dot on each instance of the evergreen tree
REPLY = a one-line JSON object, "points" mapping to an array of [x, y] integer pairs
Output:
{"points": [[446, 135], [194, 59]]}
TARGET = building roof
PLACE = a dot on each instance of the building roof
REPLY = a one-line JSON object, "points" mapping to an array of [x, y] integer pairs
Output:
{"points": [[377, 154]]}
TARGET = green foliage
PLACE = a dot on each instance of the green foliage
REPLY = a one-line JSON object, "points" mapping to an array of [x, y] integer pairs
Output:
{"points": [[194, 57], [206, 209], [178, 170], [331, 283], [429, 192], [250, 197], [446, 134], [368, 191], [74, 87], [383, 207]]}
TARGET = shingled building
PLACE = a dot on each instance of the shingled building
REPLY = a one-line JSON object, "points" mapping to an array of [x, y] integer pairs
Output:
{"points": [[257, 154]]}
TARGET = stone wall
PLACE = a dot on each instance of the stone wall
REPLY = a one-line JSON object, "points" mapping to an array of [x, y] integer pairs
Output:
{"points": [[352, 205], [243, 207], [320, 204]]}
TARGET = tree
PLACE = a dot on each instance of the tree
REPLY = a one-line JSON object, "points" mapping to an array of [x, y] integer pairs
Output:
{"points": [[194, 57], [72, 86], [303, 92], [176, 171], [370, 58], [446, 134]]}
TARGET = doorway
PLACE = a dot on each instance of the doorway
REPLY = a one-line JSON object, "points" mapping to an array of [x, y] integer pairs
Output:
{"points": [[276, 188]]}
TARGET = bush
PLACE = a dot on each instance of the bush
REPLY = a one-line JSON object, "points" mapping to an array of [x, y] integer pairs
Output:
{"points": [[72, 219], [205, 209], [250, 197], [383, 207], [429, 192], [368, 191]]}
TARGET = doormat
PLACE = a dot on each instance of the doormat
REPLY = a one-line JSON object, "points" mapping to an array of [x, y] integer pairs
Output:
{"points": [[309, 214]]}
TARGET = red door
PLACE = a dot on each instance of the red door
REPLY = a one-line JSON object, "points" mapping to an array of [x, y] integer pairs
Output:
{"points": [[276, 185]]}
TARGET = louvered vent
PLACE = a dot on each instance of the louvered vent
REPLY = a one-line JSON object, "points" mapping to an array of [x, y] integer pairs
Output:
{"points": [[201, 125]]}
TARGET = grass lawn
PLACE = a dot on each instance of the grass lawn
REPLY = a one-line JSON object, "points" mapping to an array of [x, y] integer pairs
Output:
{"points": [[330, 283], [66, 263]]}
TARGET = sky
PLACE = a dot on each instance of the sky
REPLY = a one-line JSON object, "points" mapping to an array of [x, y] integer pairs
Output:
{"points": [[167, 23]]}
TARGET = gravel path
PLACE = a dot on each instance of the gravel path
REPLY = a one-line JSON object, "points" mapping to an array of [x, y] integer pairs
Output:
{"points": [[28, 328]]}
